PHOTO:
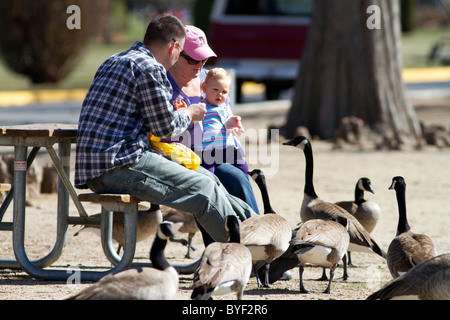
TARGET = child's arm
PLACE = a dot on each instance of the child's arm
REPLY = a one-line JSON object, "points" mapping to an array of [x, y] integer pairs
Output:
{"points": [[179, 104]]}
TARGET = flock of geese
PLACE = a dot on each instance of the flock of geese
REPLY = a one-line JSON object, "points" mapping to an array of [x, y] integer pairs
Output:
{"points": [[328, 233]]}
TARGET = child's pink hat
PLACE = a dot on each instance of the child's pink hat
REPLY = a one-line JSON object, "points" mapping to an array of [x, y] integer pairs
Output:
{"points": [[196, 45]]}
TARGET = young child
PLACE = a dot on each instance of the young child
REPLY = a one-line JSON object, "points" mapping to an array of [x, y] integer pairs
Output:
{"points": [[220, 125]]}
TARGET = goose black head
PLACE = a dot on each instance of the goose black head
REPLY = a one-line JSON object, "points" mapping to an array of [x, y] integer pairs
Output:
{"points": [[232, 227], [299, 142], [342, 220], [255, 173], [165, 230], [398, 183], [365, 184], [231, 222]]}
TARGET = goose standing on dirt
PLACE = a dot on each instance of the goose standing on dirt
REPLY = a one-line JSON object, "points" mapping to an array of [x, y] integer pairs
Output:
{"points": [[365, 211], [429, 280], [407, 249], [147, 224], [267, 236], [157, 283], [323, 243], [224, 267], [315, 208], [187, 224]]}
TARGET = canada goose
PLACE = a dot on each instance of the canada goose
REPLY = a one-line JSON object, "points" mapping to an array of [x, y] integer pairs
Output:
{"points": [[187, 224], [224, 267], [157, 283], [315, 208], [268, 235], [407, 249], [321, 242], [365, 211], [147, 224], [429, 280]]}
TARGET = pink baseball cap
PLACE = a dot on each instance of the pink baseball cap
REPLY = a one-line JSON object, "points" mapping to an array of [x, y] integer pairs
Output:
{"points": [[196, 45]]}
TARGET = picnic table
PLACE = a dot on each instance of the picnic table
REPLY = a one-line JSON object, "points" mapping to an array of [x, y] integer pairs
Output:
{"points": [[37, 136]]}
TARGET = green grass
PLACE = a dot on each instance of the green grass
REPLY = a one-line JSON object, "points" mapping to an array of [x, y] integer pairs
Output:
{"points": [[80, 77], [416, 47]]}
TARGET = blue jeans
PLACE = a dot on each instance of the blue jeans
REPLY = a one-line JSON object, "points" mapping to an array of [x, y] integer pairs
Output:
{"points": [[160, 181], [237, 183]]}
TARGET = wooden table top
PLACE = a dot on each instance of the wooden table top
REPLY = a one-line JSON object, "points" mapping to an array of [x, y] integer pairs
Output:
{"points": [[40, 130]]}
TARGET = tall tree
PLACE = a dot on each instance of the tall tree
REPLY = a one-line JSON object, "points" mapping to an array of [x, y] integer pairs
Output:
{"points": [[352, 66]]}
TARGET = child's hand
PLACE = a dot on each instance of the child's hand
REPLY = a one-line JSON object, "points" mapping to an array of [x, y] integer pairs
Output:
{"points": [[234, 124], [180, 104]]}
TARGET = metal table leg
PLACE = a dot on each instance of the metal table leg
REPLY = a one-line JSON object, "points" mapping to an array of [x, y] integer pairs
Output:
{"points": [[12, 263], [130, 225], [64, 275], [34, 269], [106, 238], [62, 208]]}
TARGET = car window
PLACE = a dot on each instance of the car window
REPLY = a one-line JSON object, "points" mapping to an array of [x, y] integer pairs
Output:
{"points": [[269, 7]]}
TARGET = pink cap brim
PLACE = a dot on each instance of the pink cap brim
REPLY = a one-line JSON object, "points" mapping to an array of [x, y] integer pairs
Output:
{"points": [[199, 53]]}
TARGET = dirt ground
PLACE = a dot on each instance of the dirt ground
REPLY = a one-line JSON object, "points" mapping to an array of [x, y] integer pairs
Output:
{"points": [[427, 174]]}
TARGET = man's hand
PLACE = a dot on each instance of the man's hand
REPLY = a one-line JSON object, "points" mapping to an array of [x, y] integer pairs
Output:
{"points": [[196, 111]]}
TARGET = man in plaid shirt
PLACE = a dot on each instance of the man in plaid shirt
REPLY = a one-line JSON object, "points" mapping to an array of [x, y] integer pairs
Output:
{"points": [[129, 97]]}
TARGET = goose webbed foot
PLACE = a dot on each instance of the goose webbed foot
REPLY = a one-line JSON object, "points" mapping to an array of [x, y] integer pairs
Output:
{"points": [[303, 290], [265, 273]]}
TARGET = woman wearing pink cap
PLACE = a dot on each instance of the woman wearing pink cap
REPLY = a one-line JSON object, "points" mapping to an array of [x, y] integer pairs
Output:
{"points": [[186, 77]]}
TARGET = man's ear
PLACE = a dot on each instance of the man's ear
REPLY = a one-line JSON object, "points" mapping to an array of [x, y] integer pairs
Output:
{"points": [[172, 48]]}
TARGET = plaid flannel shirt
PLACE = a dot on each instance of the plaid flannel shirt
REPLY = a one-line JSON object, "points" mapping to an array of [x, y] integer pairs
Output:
{"points": [[130, 96]]}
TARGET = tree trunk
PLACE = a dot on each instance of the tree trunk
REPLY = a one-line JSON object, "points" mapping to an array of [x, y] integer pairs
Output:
{"points": [[350, 68]]}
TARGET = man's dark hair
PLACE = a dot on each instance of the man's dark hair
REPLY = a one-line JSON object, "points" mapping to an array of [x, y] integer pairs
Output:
{"points": [[164, 29]]}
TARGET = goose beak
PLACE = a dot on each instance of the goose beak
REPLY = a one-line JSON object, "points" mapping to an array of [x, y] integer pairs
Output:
{"points": [[298, 142]]}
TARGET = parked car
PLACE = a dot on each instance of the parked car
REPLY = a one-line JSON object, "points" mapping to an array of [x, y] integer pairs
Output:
{"points": [[262, 40]]}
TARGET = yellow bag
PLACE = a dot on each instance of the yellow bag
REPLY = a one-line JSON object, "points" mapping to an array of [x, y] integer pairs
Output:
{"points": [[176, 151]]}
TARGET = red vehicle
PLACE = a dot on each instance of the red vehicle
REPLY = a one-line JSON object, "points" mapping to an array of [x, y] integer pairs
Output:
{"points": [[261, 40]]}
